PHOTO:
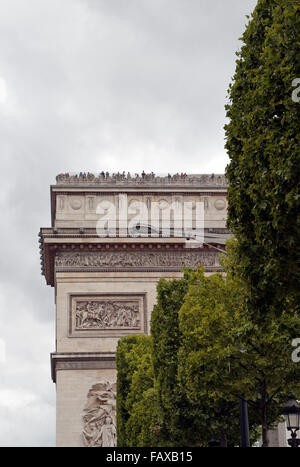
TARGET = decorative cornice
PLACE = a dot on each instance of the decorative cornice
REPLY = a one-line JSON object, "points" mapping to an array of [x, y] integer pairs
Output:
{"points": [[54, 241], [91, 232], [192, 257], [81, 361]]}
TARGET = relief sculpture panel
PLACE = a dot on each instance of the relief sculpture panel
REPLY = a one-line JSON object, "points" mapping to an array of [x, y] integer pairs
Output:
{"points": [[99, 416], [111, 315], [103, 314]]}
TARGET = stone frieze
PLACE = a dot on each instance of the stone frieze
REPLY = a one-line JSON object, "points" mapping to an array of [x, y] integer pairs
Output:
{"points": [[137, 259]]}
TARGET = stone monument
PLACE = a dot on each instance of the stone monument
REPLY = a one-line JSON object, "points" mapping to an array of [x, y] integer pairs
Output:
{"points": [[112, 237]]}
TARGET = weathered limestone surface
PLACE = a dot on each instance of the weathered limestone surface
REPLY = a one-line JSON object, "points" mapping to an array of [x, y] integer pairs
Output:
{"points": [[82, 210], [141, 288], [73, 387], [105, 288]]}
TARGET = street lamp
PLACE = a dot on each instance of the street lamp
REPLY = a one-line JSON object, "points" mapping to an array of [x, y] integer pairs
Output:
{"points": [[291, 412]]}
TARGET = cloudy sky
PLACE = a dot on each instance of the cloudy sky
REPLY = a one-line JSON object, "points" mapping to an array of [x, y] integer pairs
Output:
{"points": [[92, 85]]}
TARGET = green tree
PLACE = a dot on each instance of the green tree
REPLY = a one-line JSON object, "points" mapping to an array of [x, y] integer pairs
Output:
{"points": [[137, 411], [262, 141], [143, 427], [225, 355], [179, 419], [185, 421]]}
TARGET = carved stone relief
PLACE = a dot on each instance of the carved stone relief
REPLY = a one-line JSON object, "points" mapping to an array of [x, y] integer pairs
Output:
{"points": [[220, 204], [90, 203], [105, 314], [136, 259], [76, 203], [60, 203], [99, 416]]}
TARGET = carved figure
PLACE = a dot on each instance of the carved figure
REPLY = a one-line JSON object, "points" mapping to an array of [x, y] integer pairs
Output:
{"points": [[95, 314], [122, 259], [99, 416]]}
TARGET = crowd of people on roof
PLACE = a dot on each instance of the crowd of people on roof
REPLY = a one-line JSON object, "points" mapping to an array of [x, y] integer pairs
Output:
{"points": [[119, 176]]}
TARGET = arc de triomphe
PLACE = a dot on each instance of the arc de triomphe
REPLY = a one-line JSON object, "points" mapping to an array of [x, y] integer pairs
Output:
{"points": [[105, 286]]}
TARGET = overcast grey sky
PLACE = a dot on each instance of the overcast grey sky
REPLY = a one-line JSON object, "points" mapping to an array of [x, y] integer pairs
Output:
{"points": [[92, 85]]}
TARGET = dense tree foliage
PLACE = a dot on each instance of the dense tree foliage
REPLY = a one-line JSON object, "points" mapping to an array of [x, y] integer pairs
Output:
{"points": [[182, 423], [166, 341], [136, 395], [154, 408], [180, 387], [263, 137], [263, 146], [225, 353]]}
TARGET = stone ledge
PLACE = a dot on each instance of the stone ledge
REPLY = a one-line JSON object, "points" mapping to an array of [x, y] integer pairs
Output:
{"points": [[81, 361], [121, 179]]}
